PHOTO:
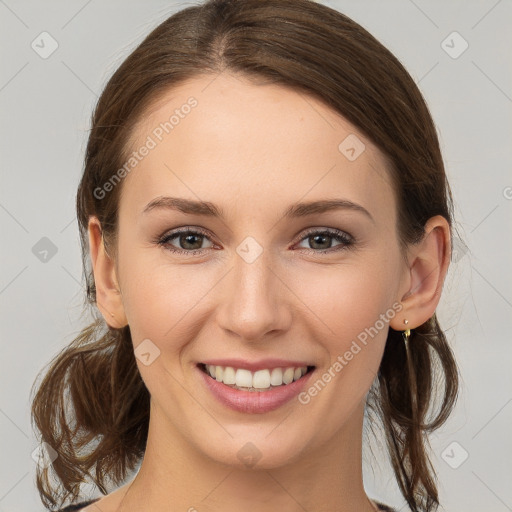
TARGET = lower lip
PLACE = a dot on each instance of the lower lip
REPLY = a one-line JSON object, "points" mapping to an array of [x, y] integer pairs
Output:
{"points": [[254, 402]]}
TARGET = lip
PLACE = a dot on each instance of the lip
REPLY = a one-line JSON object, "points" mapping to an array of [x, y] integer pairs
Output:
{"points": [[253, 402], [253, 366]]}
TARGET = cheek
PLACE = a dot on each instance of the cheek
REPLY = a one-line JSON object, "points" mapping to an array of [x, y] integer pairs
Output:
{"points": [[165, 302], [351, 309], [160, 299], [346, 299]]}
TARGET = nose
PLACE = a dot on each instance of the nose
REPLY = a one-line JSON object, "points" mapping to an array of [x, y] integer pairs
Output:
{"points": [[254, 304]]}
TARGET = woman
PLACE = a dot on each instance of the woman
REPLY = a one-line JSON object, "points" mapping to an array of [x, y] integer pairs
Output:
{"points": [[265, 224]]}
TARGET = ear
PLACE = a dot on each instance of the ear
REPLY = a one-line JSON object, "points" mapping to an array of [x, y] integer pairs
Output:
{"points": [[428, 264], [108, 294]]}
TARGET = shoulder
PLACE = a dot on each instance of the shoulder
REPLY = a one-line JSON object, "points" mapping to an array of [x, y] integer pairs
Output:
{"points": [[77, 506]]}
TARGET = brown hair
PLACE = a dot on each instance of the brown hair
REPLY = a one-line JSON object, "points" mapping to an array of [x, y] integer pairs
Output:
{"points": [[92, 406]]}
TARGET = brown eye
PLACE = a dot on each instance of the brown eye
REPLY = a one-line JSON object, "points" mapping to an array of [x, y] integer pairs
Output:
{"points": [[322, 241], [188, 241]]}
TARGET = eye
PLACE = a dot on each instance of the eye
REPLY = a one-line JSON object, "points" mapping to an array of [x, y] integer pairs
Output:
{"points": [[321, 241], [189, 241]]}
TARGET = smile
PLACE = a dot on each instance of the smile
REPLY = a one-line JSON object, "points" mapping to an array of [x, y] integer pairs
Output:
{"points": [[258, 391], [261, 380]]}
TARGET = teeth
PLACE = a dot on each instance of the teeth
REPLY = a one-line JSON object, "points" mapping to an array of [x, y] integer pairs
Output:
{"points": [[259, 380], [229, 376], [288, 375], [276, 377], [243, 378]]}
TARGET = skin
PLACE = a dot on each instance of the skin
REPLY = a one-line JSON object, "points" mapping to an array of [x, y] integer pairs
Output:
{"points": [[254, 150]]}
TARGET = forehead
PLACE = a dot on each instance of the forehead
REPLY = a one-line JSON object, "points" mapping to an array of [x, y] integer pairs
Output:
{"points": [[221, 136]]}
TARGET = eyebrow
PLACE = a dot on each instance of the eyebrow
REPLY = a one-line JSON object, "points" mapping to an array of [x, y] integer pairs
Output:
{"points": [[211, 210]]}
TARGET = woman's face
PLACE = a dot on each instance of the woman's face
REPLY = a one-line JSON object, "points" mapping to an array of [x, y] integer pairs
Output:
{"points": [[258, 293]]}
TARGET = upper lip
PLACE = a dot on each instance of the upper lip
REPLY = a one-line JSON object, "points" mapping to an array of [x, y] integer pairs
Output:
{"points": [[254, 366]]}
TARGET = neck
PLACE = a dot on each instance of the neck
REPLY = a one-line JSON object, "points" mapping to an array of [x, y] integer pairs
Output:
{"points": [[176, 476]]}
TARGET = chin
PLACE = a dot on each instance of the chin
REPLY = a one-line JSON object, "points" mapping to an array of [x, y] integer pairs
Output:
{"points": [[254, 449]]}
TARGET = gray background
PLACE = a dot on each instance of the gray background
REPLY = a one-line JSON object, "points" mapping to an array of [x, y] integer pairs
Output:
{"points": [[46, 105]]}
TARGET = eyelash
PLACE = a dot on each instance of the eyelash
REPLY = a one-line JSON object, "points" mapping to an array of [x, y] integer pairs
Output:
{"points": [[340, 236]]}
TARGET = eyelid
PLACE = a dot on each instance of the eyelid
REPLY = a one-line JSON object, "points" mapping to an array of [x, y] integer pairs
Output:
{"points": [[323, 230]]}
